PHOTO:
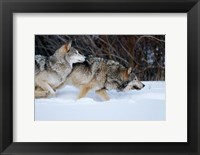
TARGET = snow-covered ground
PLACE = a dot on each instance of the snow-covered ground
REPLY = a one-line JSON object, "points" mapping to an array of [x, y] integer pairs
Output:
{"points": [[147, 104]]}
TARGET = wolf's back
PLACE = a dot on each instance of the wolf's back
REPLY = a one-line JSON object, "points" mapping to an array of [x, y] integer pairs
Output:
{"points": [[40, 63], [92, 59]]}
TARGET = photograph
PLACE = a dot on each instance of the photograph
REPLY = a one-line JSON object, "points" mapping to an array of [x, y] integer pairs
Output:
{"points": [[100, 77]]}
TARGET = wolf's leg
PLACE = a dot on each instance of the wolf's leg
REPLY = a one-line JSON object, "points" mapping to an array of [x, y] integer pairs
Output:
{"points": [[103, 94], [83, 91], [46, 87], [41, 94], [62, 85]]}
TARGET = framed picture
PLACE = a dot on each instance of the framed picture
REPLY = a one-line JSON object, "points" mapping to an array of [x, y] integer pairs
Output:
{"points": [[107, 82], [99, 77]]}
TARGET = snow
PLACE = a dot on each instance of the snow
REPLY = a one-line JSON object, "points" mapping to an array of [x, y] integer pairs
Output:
{"points": [[147, 104]]}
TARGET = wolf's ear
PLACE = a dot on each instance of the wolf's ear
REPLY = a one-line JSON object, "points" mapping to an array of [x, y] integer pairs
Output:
{"points": [[129, 70], [68, 46]]}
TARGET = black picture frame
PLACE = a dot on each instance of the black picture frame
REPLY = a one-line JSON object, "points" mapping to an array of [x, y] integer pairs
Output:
{"points": [[8, 7]]}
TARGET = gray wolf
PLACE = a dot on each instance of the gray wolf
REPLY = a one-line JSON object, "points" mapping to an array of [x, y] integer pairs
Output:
{"points": [[100, 75], [52, 71]]}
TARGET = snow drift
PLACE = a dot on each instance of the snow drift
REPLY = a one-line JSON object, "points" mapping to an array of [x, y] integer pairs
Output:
{"points": [[147, 104]]}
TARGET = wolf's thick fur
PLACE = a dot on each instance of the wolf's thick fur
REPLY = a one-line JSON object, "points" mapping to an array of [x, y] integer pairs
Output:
{"points": [[99, 75], [50, 72]]}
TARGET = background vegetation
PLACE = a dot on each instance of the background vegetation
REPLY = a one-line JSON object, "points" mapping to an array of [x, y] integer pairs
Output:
{"points": [[145, 53]]}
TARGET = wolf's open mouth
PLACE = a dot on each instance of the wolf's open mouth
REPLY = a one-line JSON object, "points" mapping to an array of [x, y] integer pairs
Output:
{"points": [[136, 88]]}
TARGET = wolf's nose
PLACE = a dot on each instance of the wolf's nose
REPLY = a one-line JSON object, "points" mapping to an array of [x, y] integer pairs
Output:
{"points": [[143, 85]]}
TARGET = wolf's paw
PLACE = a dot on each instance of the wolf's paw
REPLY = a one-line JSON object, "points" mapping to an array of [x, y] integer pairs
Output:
{"points": [[78, 98], [50, 94]]}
